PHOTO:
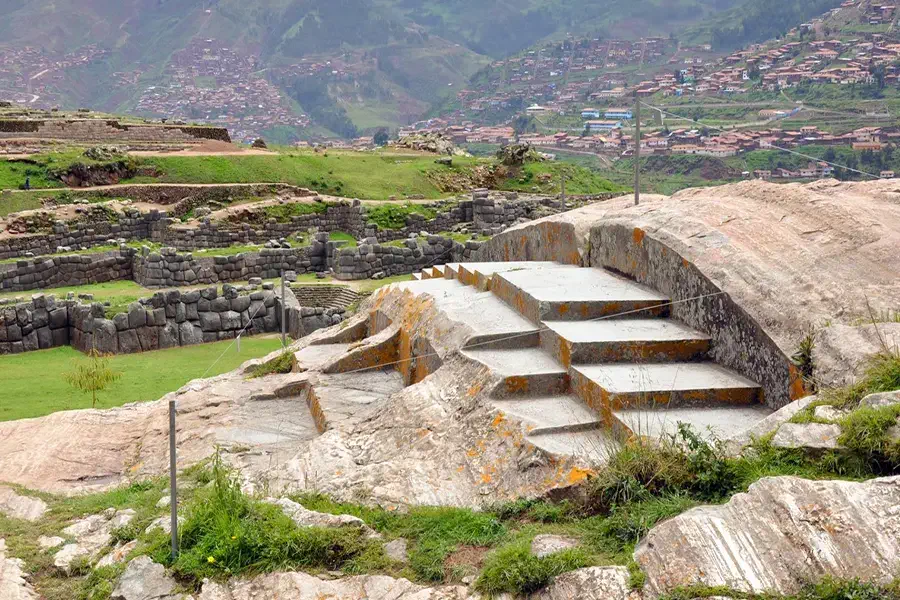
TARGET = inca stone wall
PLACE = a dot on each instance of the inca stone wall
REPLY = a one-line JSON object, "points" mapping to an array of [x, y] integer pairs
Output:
{"points": [[109, 130], [134, 225], [373, 260], [66, 270], [486, 215], [166, 320], [168, 268], [37, 325]]}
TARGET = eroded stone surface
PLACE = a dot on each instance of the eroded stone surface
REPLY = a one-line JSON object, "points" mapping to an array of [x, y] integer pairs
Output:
{"points": [[594, 583], [300, 586], [118, 554], [92, 534], [21, 507], [144, 579], [808, 436], [830, 413], [397, 550], [14, 584], [782, 533], [547, 544], [881, 400]]}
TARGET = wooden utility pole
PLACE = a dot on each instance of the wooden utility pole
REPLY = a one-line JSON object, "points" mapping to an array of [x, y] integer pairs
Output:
{"points": [[637, 150]]}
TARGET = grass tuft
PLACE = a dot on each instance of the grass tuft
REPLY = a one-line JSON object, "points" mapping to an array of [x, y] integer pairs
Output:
{"points": [[283, 363], [514, 569]]}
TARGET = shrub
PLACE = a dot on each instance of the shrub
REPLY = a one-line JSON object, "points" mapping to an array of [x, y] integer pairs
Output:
{"points": [[865, 431], [514, 569], [683, 463], [227, 533]]}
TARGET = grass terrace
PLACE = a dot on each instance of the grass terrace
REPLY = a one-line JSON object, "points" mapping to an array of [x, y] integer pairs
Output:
{"points": [[33, 383]]}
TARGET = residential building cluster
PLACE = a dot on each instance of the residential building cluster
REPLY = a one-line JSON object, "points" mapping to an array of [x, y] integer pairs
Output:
{"points": [[208, 82], [31, 75]]}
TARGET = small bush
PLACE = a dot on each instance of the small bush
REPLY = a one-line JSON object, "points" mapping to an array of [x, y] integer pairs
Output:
{"points": [[627, 524], [881, 375], [681, 463], [227, 533], [514, 569], [283, 363], [864, 431]]}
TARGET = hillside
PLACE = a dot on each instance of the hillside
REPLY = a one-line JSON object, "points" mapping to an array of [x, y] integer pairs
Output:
{"points": [[369, 63]]}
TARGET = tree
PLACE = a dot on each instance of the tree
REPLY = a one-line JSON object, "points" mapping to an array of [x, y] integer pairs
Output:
{"points": [[829, 155], [93, 376], [381, 137]]}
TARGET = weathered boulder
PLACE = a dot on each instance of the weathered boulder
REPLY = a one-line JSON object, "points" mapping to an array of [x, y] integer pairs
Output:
{"points": [[881, 400], [21, 507], [808, 436], [304, 517], [14, 584], [144, 579], [397, 550], [547, 544], [593, 583], [92, 535], [781, 534]]}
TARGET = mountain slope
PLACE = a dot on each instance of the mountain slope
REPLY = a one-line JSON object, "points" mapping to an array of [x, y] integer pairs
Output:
{"points": [[404, 54]]}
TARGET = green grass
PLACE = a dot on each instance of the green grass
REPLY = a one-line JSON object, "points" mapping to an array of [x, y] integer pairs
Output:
{"points": [[393, 216], [33, 382], [13, 174], [119, 293], [546, 177], [342, 236], [284, 212], [513, 569], [371, 176]]}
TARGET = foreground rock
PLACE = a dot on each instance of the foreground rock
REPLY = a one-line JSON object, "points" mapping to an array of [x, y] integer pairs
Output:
{"points": [[595, 583], [21, 507], [13, 582], [92, 535], [144, 579], [782, 533]]}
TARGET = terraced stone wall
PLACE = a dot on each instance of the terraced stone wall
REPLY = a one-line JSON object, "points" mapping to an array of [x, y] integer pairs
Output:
{"points": [[166, 320], [66, 270], [134, 225], [37, 325], [168, 268], [372, 259], [109, 130]]}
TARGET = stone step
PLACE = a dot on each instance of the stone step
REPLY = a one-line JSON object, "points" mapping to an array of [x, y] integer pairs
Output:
{"points": [[611, 387], [712, 423], [450, 270], [622, 340], [420, 276], [550, 414], [593, 445], [524, 371], [490, 321], [565, 293], [481, 274]]}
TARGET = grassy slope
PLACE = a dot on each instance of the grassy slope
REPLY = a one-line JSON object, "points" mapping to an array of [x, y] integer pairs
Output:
{"points": [[33, 383], [358, 175]]}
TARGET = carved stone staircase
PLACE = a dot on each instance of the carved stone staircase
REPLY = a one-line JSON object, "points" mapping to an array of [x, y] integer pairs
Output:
{"points": [[599, 359]]}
